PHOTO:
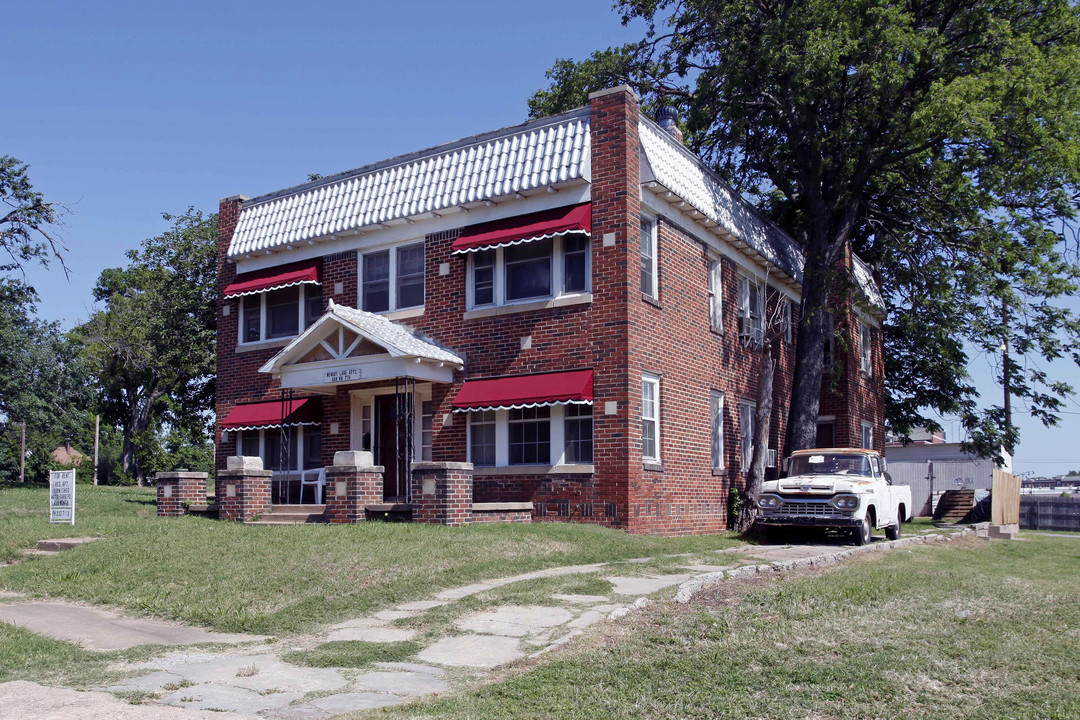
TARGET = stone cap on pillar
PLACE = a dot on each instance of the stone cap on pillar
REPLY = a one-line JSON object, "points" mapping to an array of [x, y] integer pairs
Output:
{"points": [[181, 475], [356, 458], [243, 462], [422, 466]]}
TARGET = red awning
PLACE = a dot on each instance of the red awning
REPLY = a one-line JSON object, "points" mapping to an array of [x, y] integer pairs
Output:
{"points": [[254, 416], [526, 228], [523, 391], [274, 278]]}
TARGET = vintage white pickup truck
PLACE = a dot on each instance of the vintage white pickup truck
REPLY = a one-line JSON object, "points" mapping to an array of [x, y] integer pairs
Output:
{"points": [[835, 488]]}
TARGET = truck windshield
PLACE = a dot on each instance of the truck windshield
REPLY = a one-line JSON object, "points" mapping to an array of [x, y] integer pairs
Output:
{"points": [[829, 464]]}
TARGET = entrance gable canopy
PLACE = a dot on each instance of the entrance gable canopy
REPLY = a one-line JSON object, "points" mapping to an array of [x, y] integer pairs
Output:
{"points": [[345, 356], [574, 387]]}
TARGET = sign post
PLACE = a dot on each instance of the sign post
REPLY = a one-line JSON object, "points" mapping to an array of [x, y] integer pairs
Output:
{"points": [[62, 496]]}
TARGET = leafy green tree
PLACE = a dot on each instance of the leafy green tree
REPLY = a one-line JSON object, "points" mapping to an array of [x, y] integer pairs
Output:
{"points": [[43, 383], [940, 141], [29, 224], [152, 345]]}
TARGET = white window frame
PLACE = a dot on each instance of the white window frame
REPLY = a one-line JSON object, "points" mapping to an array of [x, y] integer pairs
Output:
{"points": [[751, 325], [653, 381], [558, 279], [362, 417], [787, 320], [654, 261], [866, 357], [557, 436], [261, 298], [747, 410], [299, 430], [392, 303], [716, 433], [716, 295], [866, 438]]}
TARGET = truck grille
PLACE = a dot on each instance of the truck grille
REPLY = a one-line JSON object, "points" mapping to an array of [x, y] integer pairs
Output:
{"points": [[810, 509]]}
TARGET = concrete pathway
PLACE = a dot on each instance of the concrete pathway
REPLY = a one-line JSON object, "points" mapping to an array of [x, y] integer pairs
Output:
{"points": [[255, 682], [103, 630], [30, 701]]}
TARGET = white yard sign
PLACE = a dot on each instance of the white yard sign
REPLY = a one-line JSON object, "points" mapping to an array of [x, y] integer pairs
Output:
{"points": [[62, 496]]}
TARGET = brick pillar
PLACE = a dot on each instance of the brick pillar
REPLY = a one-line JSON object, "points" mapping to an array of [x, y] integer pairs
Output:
{"points": [[177, 491], [352, 483], [442, 492], [617, 303], [243, 490]]}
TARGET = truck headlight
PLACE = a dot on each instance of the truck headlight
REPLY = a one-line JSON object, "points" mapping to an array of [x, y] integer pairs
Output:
{"points": [[768, 502], [846, 502]]}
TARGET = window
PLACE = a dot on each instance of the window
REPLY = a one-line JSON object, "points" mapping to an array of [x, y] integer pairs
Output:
{"points": [[575, 262], [867, 436], [716, 297], [530, 271], [716, 413], [826, 434], [410, 276], [578, 431], [426, 424], [305, 447], [787, 320], [746, 433], [751, 315], [865, 350], [365, 428], [482, 438], [650, 418], [483, 269], [530, 436], [392, 279], [648, 258], [829, 354], [280, 313]]}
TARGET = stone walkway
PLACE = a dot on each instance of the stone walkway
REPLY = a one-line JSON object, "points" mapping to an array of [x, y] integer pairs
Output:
{"points": [[254, 681]]}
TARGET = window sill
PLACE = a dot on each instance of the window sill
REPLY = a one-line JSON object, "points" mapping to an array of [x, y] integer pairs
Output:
{"points": [[488, 471], [496, 310], [403, 314], [719, 472], [655, 302], [264, 345], [652, 467]]}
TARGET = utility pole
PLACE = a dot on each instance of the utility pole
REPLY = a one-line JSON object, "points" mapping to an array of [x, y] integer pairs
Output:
{"points": [[1006, 379], [97, 428], [22, 455]]}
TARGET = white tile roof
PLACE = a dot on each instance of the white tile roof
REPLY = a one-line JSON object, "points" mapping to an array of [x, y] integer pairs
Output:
{"points": [[865, 279], [398, 339], [683, 173], [542, 153]]}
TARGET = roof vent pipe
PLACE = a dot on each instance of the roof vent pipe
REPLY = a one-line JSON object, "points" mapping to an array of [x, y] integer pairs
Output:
{"points": [[668, 118]]}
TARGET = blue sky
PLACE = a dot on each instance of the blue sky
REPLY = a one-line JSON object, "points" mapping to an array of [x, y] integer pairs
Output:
{"points": [[128, 110]]}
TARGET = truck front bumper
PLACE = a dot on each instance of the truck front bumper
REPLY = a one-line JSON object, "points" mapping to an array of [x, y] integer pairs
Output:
{"points": [[825, 521]]}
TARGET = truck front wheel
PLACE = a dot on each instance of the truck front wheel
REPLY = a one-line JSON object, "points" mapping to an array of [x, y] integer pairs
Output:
{"points": [[863, 532]]}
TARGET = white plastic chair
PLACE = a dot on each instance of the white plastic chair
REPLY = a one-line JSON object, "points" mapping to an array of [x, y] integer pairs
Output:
{"points": [[319, 482]]}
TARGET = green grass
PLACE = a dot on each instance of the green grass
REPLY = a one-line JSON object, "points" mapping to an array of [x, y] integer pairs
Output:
{"points": [[28, 656], [352, 654], [967, 630], [287, 579]]}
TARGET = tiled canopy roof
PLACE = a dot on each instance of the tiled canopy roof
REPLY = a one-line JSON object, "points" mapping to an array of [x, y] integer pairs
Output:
{"points": [[538, 154], [397, 338]]}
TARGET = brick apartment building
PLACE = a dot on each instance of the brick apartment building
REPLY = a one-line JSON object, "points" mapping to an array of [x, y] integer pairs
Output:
{"points": [[573, 306]]}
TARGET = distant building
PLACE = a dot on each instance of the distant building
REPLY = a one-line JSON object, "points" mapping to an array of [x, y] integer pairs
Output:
{"points": [[67, 455], [931, 468], [918, 436]]}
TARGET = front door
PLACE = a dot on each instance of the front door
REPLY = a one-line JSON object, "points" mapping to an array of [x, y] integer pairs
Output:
{"points": [[391, 446]]}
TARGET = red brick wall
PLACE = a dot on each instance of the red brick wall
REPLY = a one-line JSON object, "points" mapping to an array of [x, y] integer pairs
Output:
{"points": [[174, 489], [442, 493], [362, 488], [250, 498]]}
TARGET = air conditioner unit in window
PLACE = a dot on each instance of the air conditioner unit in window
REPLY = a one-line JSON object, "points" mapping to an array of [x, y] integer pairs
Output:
{"points": [[751, 331]]}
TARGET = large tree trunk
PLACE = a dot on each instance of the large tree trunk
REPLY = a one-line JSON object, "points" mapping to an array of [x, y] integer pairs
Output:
{"points": [[809, 356], [762, 416]]}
